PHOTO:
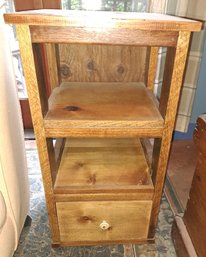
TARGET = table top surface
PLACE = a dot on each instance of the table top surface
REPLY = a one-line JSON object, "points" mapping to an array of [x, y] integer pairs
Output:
{"points": [[131, 20]]}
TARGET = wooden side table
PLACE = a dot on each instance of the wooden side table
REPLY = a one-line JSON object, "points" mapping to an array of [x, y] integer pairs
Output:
{"points": [[99, 185]]}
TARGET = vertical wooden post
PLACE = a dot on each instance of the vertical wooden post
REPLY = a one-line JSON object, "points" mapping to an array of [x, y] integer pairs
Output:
{"points": [[171, 90], [51, 51], [34, 88], [153, 58]]}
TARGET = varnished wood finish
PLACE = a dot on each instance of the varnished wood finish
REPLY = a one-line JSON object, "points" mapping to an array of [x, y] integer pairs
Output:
{"points": [[80, 221], [28, 61], [40, 78], [199, 134], [160, 162], [55, 150], [26, 114], [54, 131], [194, 216], [153, 58], [52, 160], [102, 63], [102, 165], [98, 36], [21, 5], [108, 242], [85, 194], [51, 51], [168, 72], [96, 105], [59, 147], [51, 4], [142, 193], [179, 243], [104, 20]]}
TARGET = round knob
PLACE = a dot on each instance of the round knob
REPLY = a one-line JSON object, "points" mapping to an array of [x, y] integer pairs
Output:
{"points": [[104, 225]]}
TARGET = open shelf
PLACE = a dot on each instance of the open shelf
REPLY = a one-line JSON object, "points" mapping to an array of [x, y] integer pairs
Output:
{"points": [[97, 106], [97, 176], [103, 165]]}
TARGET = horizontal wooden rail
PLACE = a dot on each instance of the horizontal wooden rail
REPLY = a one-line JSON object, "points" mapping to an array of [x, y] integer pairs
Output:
{"points": [[48, 34]]}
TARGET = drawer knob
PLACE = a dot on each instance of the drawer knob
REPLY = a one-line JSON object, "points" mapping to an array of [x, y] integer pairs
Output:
{"points": [[104, 225]]}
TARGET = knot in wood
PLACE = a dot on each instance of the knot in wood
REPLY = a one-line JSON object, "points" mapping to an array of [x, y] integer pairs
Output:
{"points": [[85, 219], [120, 69], [72, 108], [65, 71], [91, 65]]}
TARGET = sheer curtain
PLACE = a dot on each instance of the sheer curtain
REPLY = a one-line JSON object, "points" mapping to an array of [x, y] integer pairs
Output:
{"points": [[157, 6], [190, 9], [195, 10]]}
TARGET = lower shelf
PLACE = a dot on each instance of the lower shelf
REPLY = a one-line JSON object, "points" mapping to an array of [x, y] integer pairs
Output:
{"points": [[100, 222], [103, 166]]}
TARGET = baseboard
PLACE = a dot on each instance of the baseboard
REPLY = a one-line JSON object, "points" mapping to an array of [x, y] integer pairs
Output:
{"points": [[181, 239], [172, 197], [185, 135]]}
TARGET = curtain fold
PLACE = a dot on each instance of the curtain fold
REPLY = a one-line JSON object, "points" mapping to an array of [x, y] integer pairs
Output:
{"points": [[194, 10], [157, 6]]}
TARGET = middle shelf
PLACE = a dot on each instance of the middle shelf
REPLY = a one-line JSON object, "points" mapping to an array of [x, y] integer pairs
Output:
{"points": [[102, 109]]}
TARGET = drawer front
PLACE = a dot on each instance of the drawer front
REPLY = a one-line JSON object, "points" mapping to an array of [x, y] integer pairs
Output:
{"points": [[103, 221]]}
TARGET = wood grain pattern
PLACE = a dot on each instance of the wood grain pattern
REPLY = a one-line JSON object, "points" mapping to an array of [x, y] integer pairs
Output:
{"points": [[37, 117], [79, 222], [56, 131], [58, 148], [179, 244], [171, 107], [110, 36], [167, 77], [21, 5], [102, 63], [102, 165], [51, 4], [153, 58], [55, 150], [52, 159], [104, 20], [194, 216], [39, 69], [106, 177], [96, 105], [144, 192], [52, 65], [26, 114], [199, 134]]}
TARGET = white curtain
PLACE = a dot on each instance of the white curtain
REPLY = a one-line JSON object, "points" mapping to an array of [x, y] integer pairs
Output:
{"points": [[190, 9], [194, 10], [157, 6]]}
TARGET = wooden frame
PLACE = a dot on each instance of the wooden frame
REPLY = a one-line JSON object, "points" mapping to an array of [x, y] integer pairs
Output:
{"points": [[121, 29]]}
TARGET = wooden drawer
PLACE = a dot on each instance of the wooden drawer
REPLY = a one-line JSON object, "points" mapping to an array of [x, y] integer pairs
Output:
{"points": [[80, 222]]}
